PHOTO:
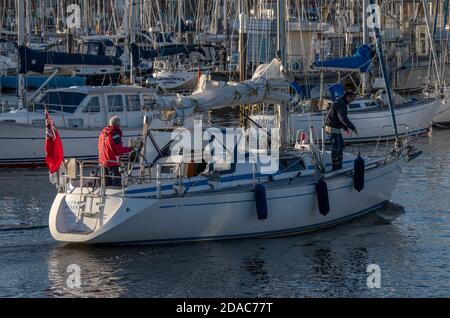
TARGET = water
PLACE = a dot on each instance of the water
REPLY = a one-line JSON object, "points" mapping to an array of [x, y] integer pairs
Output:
{"points": [[412, 250]]}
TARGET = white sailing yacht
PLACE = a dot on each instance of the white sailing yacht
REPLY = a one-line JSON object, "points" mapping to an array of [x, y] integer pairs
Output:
{"points": [[371, 117], [173, 200], [442, 116]]}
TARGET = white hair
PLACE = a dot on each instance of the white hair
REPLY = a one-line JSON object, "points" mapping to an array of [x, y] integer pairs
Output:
{"points": [[114, 121]]}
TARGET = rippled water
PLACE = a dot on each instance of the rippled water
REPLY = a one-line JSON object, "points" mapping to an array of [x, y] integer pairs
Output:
{"points": [[413, 251]]}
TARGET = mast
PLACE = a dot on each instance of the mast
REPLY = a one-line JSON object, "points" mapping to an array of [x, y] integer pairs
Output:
{"points": [[242, 42], [128, 28], [225, 20], [180, 19], [365, 38], [28, 21], [432, 48], [243, 55], [21, 42], [281, 30], [385, 75], [281, 48], [85, 17], [132, 39]]}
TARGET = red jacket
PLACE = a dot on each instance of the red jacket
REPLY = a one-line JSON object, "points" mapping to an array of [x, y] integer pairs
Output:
{"points": [[110, 146]]}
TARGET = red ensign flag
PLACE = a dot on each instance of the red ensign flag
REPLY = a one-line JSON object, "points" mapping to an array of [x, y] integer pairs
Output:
{"points": [[54, 154]]}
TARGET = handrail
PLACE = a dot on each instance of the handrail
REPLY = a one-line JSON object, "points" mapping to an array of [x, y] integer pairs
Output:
{"points": [[407, 130], [85, 180]]}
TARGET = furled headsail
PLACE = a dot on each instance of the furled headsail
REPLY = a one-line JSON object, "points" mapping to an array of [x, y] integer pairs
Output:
{"points": [[35, 61]]}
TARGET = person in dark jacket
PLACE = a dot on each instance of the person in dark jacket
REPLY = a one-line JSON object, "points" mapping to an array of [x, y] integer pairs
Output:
{"points": [[109, 149], [335, 122]]}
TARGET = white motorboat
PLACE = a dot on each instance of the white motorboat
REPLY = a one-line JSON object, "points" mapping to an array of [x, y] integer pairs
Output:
{"points": [[371, 117], [175, 80], [169, 78], [179, 75], [79, 114]]}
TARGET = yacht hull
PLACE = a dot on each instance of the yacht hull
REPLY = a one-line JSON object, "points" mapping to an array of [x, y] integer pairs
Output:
{"points": [[372, 125], [292, 209], [176, 81], [442, 116]]}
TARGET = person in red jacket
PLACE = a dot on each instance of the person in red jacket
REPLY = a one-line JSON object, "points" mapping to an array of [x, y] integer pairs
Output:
{"points": [[110, 148]]}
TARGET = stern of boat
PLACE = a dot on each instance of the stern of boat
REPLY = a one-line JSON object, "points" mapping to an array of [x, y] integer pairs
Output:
{"points": [[77, 217], [84, 208]]}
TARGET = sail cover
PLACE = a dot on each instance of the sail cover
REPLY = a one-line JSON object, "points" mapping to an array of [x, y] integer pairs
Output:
{"points": [[333, 91], [140, 54], [35, 61], [269, 84], [361, 61]]}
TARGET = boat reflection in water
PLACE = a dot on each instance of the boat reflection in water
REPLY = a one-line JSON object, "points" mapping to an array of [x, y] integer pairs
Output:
{"points": [[98, 276], [333, 263]]}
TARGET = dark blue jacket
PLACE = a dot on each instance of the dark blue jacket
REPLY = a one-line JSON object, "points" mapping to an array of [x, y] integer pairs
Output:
{"points": [[337, 116]]}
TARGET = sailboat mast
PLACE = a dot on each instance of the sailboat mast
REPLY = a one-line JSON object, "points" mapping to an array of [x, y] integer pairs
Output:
{"points": [[132, 39], [281, 34], [432, 48], [243, 55], [385, 75], [365, 39], [21, 42], [281, 48], [242, 42]]}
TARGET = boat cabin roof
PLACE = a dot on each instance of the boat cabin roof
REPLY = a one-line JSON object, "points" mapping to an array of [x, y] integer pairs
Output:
{"points": [[118, 89]]}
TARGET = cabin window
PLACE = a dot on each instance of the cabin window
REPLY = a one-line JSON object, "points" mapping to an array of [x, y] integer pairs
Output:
{"points": [[61, 101], [115, 103], [354, 106], [38, 122], [168, 170], [288, 165], [372, 104], [75, 123], [133, 103], [93, 106], [110, 51], [91, 48], [423, 43]]}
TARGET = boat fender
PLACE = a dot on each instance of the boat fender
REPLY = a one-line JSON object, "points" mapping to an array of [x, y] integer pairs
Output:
{"points": [[322, 197], [261, 201], [358, 173]]}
